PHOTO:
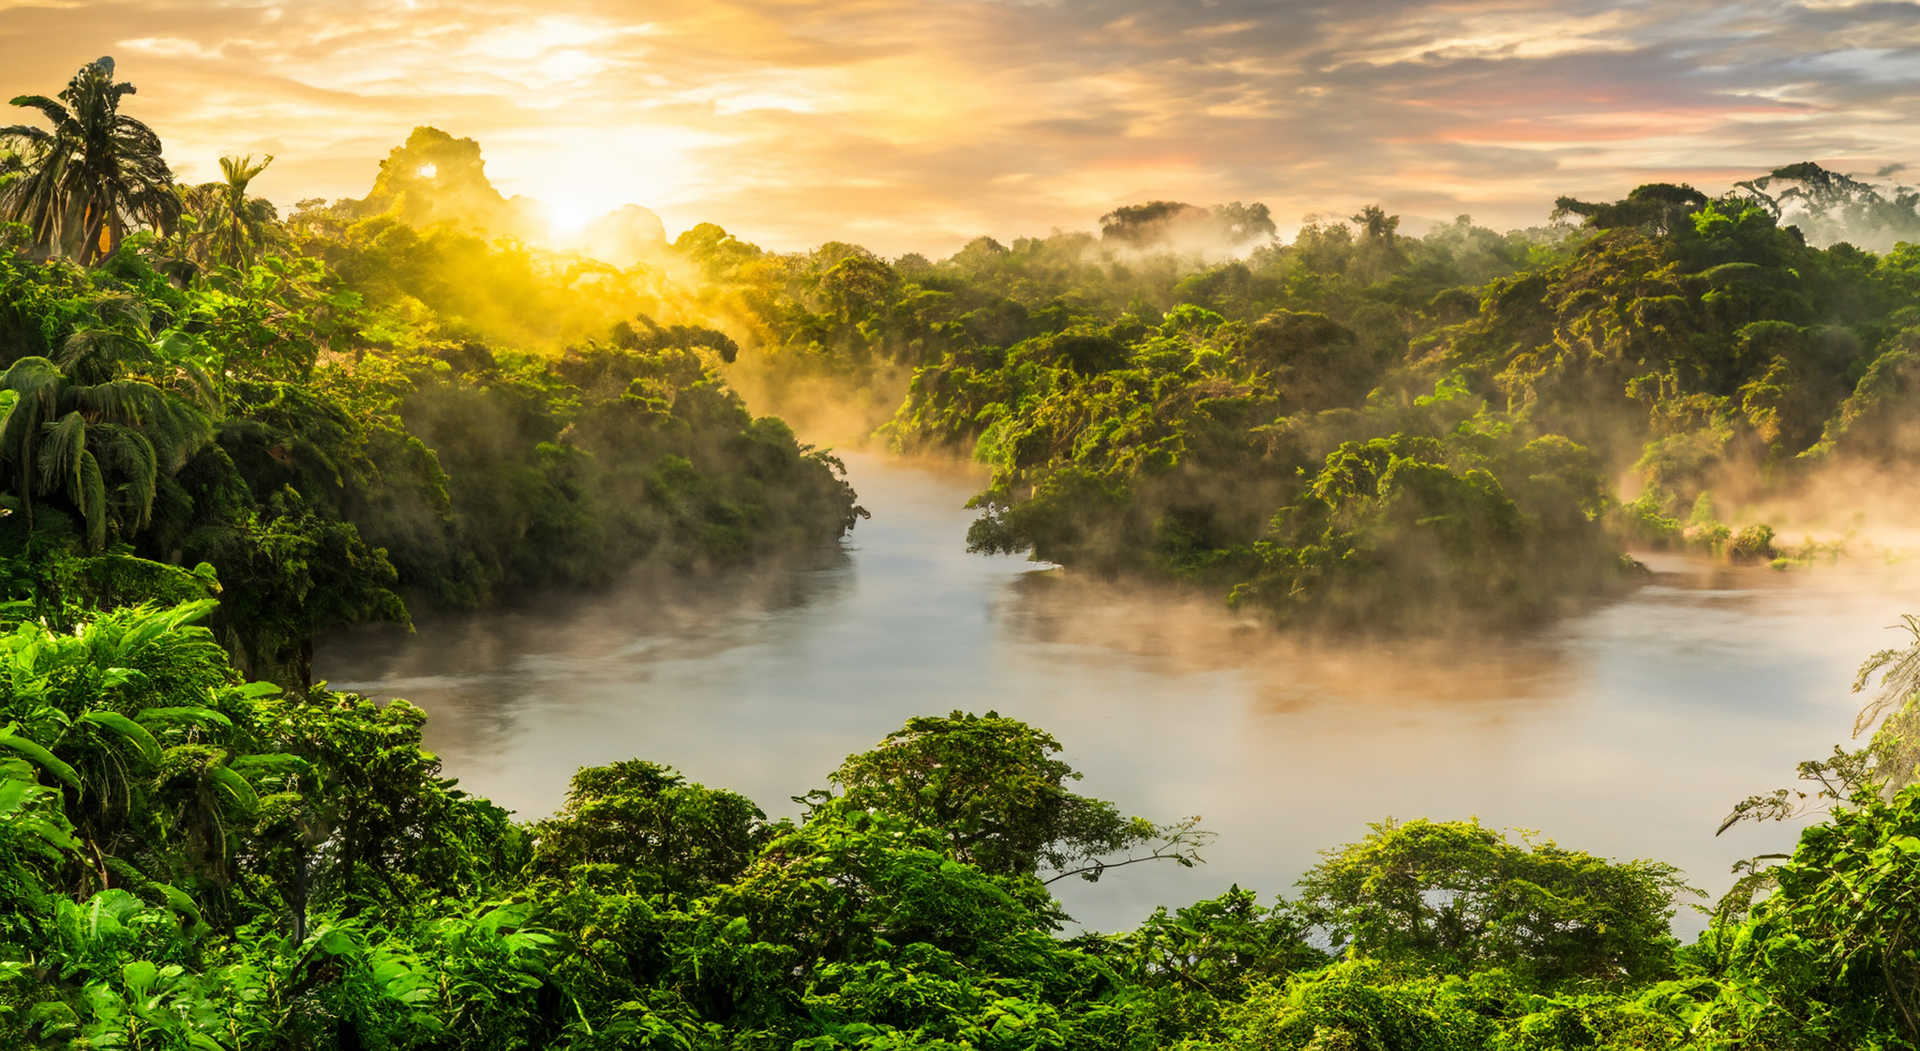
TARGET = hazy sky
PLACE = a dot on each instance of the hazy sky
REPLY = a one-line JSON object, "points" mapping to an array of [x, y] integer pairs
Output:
{"points": [[917, 124]]}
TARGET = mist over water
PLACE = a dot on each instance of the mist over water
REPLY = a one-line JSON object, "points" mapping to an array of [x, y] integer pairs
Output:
{"points": [[1627, 731]]}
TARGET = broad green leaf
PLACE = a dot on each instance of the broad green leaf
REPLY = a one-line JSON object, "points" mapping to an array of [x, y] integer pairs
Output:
{"points": [[126, 729], [41, 757], [139, 976]]}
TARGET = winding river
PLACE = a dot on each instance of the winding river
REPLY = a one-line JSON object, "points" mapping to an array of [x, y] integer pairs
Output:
{"points": [[1627, 731]]}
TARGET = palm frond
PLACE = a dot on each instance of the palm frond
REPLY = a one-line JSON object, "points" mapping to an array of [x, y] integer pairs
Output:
{"points": [[93, 351], [91, 498], [121, 401], [126, 456], [62, 445], [126, 311], [26, 131], [56, 114]]}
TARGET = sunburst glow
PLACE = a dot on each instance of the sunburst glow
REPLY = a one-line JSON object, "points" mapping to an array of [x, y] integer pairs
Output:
{"points": [[569, 216]]}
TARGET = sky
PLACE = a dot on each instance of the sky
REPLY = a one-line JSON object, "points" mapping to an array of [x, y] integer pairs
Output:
{"points": [[920, 124]]}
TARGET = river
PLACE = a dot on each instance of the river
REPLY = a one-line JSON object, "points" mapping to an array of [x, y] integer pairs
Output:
{"points": [[1627, 731]]}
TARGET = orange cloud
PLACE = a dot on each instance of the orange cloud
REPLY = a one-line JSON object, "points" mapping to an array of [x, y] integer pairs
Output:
{"points": [[917, 124]]}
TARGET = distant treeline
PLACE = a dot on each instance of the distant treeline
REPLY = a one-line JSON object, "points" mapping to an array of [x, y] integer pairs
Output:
{"points": [[1353, 428], [1360, 428]]}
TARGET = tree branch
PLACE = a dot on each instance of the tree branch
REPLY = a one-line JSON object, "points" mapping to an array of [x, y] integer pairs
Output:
{"points": [[1181, 844], [1102, 866]]}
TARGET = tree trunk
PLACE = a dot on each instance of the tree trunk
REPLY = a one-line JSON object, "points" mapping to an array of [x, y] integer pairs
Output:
{"points": [[116, 233], [90, 238]]}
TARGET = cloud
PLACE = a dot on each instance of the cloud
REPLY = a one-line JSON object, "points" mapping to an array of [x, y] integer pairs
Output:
{"points": [[917, 124]]}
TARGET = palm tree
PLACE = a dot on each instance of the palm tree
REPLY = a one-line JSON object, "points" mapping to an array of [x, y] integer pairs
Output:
{"points": [[219, 224], [76, 428], [242, 224], [92, 178], [1377, 226]]}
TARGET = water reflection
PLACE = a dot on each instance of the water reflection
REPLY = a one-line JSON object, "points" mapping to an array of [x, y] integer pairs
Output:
{"points": [[1627, 731]]}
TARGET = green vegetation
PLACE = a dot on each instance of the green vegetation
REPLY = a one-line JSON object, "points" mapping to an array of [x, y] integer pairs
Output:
{"points": [[227, 433], [313, 421], [195, 861], [1317, 430], [1330, 425]]}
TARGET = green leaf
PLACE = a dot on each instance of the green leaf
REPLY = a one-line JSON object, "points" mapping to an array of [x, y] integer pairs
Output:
{"points": [[41, 757], [139, 976], [124, 728], [186, 714], [54, 836], [236, 787], [334, 941], [12, 791], [180, 903]]}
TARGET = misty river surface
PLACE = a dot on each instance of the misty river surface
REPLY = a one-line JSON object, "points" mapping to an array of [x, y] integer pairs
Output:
{"points": [[1627, 731]]}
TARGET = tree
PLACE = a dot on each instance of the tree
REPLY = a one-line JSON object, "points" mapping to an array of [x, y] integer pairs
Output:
{"points": [[1187, 226], [1377, 227], [1140, 224], [992, 786], [856, 287], [1455, 897], [1245, 222], [103, 446], [647, 824], [96, 175], [1200, 958], [237, 226], [1836, 943], [1659, 207], [1314, 362]]}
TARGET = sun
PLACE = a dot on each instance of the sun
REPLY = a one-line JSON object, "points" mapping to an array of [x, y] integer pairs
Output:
{"points": [[569, 216]]}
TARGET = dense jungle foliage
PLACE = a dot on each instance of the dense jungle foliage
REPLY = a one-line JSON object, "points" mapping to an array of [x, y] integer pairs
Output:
{"points": [[1317, 428], [224, 432], [192, 860], [1363, 428], [298, 418]]}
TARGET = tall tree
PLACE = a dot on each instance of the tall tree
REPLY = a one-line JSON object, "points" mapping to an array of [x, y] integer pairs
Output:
{"points": [[95, 176], [239, 225], [1377, 226]]}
